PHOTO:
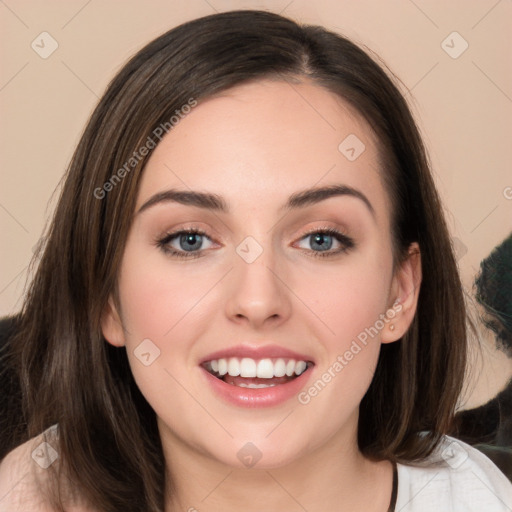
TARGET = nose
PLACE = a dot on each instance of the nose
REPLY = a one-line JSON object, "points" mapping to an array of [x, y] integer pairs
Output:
{"points": [[259, 295]]}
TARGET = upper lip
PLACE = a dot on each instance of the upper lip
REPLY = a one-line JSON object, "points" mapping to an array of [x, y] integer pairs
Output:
{"points": [[260, 352]]}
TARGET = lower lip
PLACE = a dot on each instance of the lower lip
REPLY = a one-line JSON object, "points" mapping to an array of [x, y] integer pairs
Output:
{"points": [[262, 397]]}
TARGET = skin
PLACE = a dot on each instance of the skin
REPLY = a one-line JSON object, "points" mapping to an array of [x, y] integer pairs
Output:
{"points": [[255, 145]]}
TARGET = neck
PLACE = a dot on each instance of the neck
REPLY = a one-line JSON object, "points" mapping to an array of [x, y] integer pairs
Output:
{"points": [[334, 476]]}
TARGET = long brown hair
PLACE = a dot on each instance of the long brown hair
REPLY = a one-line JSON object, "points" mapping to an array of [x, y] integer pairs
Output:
{"points": [[109, 443]]}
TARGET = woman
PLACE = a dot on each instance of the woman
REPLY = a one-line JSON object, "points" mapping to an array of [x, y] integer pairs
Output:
{"points": [[248, 296]]}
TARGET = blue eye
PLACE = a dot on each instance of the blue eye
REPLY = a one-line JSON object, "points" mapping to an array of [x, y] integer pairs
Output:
{"points": [[189, 243], [322, 240]]}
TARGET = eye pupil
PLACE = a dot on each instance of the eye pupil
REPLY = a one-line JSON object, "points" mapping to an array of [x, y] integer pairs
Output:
{"points": [[319, 238], [190, 241]]}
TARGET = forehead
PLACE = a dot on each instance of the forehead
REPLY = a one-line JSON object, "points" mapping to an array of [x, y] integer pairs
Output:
{"points": [[264, 140]]}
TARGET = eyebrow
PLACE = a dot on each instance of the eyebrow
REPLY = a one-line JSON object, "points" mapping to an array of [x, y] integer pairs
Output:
{"points": [[216, 203]]}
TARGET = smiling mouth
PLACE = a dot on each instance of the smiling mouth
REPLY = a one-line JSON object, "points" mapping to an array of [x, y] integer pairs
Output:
{"points": [[256, 373]]}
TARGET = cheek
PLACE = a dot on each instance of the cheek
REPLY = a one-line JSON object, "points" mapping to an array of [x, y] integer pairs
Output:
{"points": [[170, 305], [349, 298], [350, 301], [158, 296], [350, 309], [160, 314]]}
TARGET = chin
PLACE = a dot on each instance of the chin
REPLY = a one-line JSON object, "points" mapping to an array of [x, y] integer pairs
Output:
{"points": [[260, 451]]}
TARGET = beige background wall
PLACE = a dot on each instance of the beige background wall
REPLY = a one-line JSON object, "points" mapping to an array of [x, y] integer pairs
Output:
{"points": [[461, 96]]}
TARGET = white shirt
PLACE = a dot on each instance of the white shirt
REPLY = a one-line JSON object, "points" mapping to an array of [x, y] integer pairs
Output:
{"points": [[455, 478]]}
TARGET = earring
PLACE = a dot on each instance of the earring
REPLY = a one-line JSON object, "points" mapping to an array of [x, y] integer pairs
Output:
{"points": [[392, 327]]}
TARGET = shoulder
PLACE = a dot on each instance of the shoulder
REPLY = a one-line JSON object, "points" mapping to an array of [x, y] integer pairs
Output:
{"points": [[455, 477], [25, 472], [22, 471]]}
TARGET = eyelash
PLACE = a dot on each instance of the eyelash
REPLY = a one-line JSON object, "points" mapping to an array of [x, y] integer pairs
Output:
{"points": [[346, 242]]}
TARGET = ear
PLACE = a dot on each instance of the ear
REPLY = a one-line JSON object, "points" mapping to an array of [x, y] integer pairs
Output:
{"points": [[405, 290], [111, 324]]}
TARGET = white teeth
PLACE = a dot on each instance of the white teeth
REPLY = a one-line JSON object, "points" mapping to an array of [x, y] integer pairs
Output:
{"points": [[233, 367], [290, 368], [223, 366], [263, 368], [279, 368], [247, 367], [300, 367]]}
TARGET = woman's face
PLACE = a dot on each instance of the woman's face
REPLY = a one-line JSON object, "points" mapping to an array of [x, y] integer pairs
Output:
{"points": [[263, 289]]}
